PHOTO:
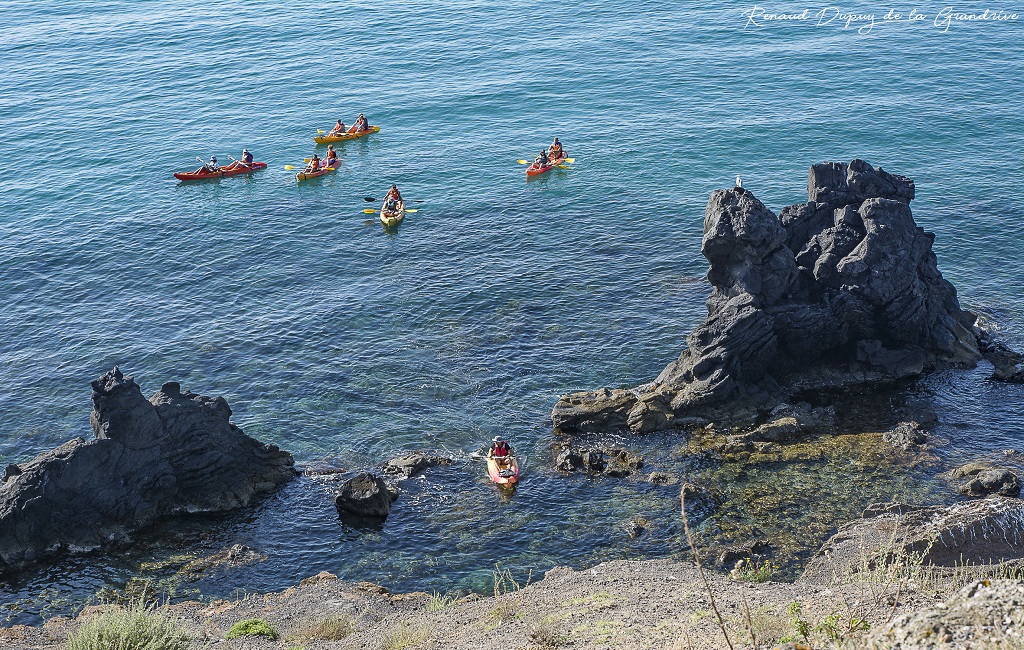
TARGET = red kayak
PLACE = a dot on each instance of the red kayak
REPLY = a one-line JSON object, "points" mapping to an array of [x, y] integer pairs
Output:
{"points": [[534, 169], [234, 169], [503, 470]]}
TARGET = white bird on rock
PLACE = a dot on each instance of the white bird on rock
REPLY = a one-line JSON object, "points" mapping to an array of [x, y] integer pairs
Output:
{"points": [[739, 182]]}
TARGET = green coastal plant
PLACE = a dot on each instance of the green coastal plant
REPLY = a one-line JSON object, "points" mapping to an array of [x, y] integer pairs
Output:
{"points": [[136, 627], [508, 597], [547, 634], [252, 627], [331, 628], [405, 636], [439, 601], [751, 572]]}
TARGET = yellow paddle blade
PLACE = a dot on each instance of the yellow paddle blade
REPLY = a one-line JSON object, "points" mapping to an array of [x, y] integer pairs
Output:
{"points": [[522, 162], [289, 167], [562, 167], [369, 211], [306, 159], [320, 131], [412, 210], [570, 160]]}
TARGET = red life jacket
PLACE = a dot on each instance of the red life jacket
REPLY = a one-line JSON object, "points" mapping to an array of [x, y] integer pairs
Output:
{"points": [[500, 450]]}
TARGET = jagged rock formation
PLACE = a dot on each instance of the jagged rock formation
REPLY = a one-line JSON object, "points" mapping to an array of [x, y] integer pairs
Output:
{"points": [[176, 452], [973, 533], [842, 289]]}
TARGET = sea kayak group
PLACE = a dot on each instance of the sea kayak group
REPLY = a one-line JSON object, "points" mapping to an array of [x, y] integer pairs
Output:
{"points": [[393, 208], [502, 466]]}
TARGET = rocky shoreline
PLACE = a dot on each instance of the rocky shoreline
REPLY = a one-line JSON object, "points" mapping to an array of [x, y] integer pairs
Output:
{"points": [[177, 452], [622, 604], [829, 297]]}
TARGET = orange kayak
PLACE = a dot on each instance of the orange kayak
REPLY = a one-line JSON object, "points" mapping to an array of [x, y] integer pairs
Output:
{"points": [[304, 175], [226, 170], [327, 137]]}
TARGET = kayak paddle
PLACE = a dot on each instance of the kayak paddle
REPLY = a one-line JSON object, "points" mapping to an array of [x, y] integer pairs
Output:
{"points": [[372, 211], [370, 199], [289, 167]]}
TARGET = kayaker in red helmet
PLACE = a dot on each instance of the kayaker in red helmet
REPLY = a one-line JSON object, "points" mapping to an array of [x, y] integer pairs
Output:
{"points": [[499, 448], [338, 129], [555, 151], [362, 124]]}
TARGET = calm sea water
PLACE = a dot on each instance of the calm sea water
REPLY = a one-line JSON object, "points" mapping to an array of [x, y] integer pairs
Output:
{"points": [[345, 344]]}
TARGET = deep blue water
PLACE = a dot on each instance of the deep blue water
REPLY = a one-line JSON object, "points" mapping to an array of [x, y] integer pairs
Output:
{"points": [[345, 344]]}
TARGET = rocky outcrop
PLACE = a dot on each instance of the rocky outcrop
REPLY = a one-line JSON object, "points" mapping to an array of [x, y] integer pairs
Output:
{"points": [[174, 453], [413, 464], [1007, 365], [840, 290], [613, 462], [984, 479], [364, 495], [968, 533]]}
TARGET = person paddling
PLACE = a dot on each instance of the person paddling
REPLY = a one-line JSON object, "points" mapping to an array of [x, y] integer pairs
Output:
{"points": [[332, 156], [542, 159], [362, 124], [393, 200], [314, 164], [555, 151], [338, 129], [499, 448], [208, 168]]}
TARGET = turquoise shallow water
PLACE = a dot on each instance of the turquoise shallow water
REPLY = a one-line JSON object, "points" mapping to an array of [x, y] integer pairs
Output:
{"points": [[345, 344]]}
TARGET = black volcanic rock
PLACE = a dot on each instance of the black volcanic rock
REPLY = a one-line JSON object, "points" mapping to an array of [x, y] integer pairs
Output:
{"points": [[365, 495], [841, 290], [174, 453]]}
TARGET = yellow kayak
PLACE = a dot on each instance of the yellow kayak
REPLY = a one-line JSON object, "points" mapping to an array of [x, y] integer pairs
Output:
{"points": [[325, 138], [392, 217]]}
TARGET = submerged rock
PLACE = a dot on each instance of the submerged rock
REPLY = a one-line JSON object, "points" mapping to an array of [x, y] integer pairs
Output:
{"points": [[232, 557], [365, 495], [840, 290], [754, 551], [968, 533], [905, 435], [174, 453], [614, 462], [635, 527]]}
